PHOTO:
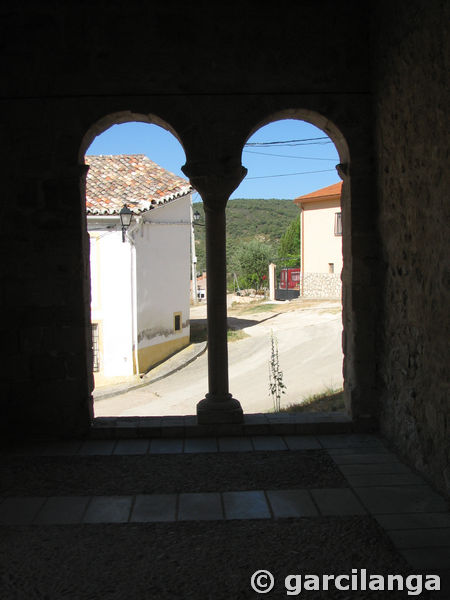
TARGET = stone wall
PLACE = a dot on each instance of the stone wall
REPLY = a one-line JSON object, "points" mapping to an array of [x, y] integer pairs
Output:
{"points": [[71, 71], [411, 105], [322, 285]]}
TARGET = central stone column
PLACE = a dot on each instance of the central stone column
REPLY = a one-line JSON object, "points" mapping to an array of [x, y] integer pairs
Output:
{"points": [[218, 406]]}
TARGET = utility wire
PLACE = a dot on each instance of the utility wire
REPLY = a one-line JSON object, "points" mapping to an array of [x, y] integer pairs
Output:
{"points": [[301, 142], [289, 155], [289, 174]]}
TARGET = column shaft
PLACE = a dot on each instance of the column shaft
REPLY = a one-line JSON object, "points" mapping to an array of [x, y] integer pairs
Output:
{"points": [[217, 302], [218, 406]]}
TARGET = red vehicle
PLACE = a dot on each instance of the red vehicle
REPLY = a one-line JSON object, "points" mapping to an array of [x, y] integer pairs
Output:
{"points": [[290, 279]]}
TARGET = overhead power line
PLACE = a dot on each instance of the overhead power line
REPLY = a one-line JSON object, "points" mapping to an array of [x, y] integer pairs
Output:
{"points": [[288, 155], [289, 174], [301, 142]]}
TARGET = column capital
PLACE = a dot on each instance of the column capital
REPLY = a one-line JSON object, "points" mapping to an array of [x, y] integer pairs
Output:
{"points": [[214, 183], [343, 170]]}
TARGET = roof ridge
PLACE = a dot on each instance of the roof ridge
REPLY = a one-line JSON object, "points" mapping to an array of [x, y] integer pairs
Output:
{"points": [[116, 155], [334, 189]]}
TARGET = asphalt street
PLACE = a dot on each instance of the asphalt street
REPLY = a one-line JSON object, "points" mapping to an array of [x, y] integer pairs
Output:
{"points": [[310, 357]]}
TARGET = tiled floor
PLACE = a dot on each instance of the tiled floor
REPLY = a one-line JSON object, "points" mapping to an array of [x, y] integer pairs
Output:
{"points": [[416, 518], [255, 504]]}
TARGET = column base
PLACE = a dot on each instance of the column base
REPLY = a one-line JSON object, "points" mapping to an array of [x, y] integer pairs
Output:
{"points": [[219, 409]]}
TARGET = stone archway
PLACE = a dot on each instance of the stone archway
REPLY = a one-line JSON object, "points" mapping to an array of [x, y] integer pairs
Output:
{"points": [[136, 329], [343, 170], [216, 181], [212, 131], [359, 255]]}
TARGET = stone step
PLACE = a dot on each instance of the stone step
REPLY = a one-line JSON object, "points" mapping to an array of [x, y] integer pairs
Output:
{"points": [[254, 424]]}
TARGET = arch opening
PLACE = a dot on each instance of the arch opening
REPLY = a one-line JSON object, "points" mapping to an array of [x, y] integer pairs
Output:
{"points": [[123, 118], [307, 281], [139, 275], [179, 395]]}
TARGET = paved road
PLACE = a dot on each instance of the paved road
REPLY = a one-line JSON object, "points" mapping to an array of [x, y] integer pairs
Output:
{"points": [[310, 356]]}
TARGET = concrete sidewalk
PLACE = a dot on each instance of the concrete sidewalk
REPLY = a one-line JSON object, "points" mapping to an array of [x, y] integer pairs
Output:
{"points": [[176, 362]]}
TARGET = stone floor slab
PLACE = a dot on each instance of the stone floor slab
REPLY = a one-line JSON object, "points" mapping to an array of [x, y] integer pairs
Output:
{"points": [[414, 521], [337, 502], [199, 445], [255, 419], [166, 446], [281, 417], [108, 509], [246, 505], [302, 442], [349, 440], [173, 420], [132, 446], [387, 479], [235, 444], [291, 503], [401, 499], [154, 507], [62, 510], [268, 442], [19, 510], [97, 448], [364, 458], [200, 507], [421, 538]]}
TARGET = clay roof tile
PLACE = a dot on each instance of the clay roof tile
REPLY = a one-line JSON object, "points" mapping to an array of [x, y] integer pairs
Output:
{"points": [[131, 179]]}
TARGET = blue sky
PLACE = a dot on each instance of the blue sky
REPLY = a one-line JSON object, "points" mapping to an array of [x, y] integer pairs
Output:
{"points": [[274, 170]]}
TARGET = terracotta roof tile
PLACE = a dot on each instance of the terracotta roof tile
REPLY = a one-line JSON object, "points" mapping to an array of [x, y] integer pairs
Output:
{"points": [[326, 192], [131, 179]]}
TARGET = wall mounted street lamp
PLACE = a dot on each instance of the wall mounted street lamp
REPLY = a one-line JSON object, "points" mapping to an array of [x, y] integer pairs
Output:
{"points": [[196, 217], [125, 219]]}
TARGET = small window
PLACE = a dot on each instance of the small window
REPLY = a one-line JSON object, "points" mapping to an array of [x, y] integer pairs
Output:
{"points": [[338, 223], [95, 348], [177, 321]]}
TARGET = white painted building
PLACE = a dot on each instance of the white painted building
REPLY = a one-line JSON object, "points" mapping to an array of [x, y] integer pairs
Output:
{"points": [[321, 242], [140, 287]]}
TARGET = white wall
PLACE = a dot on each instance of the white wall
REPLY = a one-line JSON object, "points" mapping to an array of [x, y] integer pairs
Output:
{"points": [[163, 273], [111, 299], [320, 245]]}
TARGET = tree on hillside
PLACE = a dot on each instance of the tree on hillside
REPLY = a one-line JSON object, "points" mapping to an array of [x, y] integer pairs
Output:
{"points": [[251, 263], [289, 247], [247, 219]]}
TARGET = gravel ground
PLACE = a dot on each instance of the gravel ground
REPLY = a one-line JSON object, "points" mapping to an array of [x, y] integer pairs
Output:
{"points": [[110, 475], [201, 560], [196, 560]]}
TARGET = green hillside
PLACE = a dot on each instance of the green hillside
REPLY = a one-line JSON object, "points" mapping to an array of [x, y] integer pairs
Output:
{"points": [[247, 219]]}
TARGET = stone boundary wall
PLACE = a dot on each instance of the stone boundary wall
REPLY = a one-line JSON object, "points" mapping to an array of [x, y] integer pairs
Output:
{"points": [[322, 285]]}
